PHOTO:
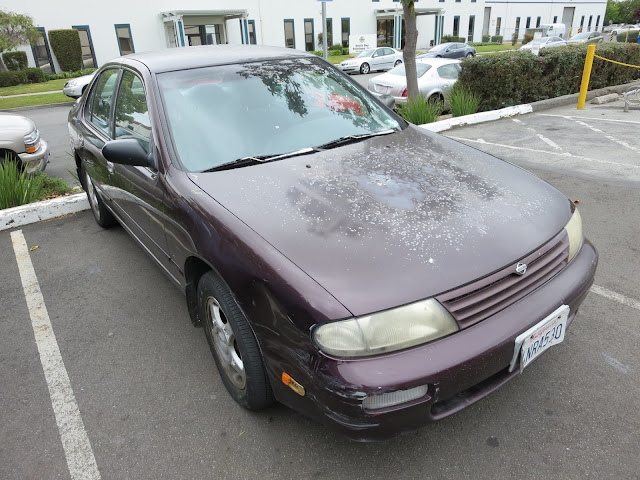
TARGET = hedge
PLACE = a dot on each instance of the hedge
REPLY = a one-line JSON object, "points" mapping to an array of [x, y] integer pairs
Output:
{"points": [[452, 38], [77, 73], [633, 37], [20, 77], [513, 78], [67, 49], [15, 61], [496, 39], [486, 38]]}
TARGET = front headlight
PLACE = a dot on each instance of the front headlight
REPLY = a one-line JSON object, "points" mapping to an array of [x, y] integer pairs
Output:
{"points": [[574, 230], [32, 141], [388, 331]]}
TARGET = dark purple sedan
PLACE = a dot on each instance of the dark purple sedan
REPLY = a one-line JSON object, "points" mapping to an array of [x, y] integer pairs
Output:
{"points": [[363, 271]]}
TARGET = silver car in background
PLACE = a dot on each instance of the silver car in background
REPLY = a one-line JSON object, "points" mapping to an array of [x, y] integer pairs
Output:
{"points": [[436, 76], [546, 42], [382, 58], [75, 87], [20, 142]]}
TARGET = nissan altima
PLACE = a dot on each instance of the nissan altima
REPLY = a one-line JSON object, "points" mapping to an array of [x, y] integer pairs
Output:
{"points": [[361, 270]]}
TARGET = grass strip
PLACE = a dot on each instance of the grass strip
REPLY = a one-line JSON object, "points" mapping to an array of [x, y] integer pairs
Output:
{"points": [[50, 86], [33, 100]]}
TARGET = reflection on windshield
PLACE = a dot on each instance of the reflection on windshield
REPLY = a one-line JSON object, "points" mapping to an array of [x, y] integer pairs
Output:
{"points": [[219, 114]]}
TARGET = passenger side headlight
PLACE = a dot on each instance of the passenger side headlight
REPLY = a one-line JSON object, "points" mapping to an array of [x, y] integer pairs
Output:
{"points": [[32, 141], [574, 230], [388, 331]]}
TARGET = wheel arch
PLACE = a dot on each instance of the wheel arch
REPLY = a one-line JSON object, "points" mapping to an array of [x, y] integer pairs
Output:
{"points": [[194, 269]]}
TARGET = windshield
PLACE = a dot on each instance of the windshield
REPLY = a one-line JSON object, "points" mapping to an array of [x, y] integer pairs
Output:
{"points": [[580, 36], [220, 114], [421, 69], [366, 53], [440, 47]]}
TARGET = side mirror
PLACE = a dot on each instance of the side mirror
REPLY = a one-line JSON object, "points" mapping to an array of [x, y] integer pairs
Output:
{"points": [[127, 151]]}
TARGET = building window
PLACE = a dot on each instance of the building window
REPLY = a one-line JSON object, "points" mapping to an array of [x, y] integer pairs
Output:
{"points": [[581, 24], [528, 25], [289, 34], [538, 21], [456, 26], [308, 35], [441, 1], [86, 46], [385, 33], [589, 24], [517, 30], [597, 22], [473, 1], [498, 23], [252, 32], [346, 31], [41, 52], [125, 42], [555, 19], [458, 1], [329, 30], [472, 25]]}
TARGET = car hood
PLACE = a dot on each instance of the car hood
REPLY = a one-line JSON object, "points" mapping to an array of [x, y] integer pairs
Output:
{"points": [[11, 125], [394, 218]]}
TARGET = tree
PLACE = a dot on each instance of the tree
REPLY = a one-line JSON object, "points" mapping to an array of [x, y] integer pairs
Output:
{"points": [[15, 30], [409, 52]]}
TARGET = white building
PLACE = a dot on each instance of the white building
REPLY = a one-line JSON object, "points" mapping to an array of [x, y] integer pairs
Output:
{"points": [[118, 27]]}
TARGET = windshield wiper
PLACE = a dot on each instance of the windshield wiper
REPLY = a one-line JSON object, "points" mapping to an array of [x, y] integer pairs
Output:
{"points": [[255, 159], [352, 139]]}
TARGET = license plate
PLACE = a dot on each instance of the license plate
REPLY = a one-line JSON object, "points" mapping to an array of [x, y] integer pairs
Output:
{"points": [[539, 338]]}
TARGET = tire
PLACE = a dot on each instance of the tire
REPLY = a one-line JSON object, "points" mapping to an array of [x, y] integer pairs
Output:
{"points": [[101, 213], [233, 345], [398, 62], [365, 68], [469, 55], [438, 56], [435, 98]]}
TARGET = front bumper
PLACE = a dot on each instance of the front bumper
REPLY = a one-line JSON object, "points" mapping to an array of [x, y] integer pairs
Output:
{"points": [[349, 68], [36, 161], [459, 370]]}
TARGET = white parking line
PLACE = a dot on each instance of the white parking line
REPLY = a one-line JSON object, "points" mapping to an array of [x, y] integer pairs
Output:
{"points": [[571, 117], [75, 442], [546, 140], [616, 297]]}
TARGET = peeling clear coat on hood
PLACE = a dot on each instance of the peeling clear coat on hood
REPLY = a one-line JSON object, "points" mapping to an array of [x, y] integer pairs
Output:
{"points": [[413, 210]]}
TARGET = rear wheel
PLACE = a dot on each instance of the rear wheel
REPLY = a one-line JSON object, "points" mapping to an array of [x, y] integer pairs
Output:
{"points": [[469, 55], [233, 345], [103, 216], [364, 68], [436, 98], [398, 62]]}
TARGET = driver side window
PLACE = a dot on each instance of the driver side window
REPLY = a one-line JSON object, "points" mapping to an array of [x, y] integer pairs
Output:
{"points": [[99, 106]]}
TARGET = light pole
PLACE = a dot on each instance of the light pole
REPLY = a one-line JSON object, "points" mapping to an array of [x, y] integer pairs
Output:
{"points": [[324, 29]]}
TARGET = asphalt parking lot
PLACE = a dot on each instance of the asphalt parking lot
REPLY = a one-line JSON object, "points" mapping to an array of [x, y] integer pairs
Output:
{"points": [[150, 403]]}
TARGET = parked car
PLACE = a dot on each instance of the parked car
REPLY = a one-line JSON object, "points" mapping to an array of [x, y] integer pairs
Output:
{"points": [[383, 58], [449, 50], [20, 141], [436, 76], [586, 37], [75, 87], [546, 42], [364, 271]]}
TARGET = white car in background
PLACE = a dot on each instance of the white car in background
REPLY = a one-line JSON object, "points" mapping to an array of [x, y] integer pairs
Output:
{"points": [[546, 42], [20, 142], [75, 87], [381, 58], [436, 76]]}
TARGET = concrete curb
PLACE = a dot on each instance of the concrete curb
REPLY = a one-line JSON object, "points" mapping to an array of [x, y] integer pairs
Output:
{"points": [[475, 118], [45, 210], [36, 107], [573, 98]]}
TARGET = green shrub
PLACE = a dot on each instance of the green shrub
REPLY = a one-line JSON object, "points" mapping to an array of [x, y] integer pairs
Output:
{"points": [[451, 38], [53, 186], [334, 53], [462, 101], [16, 187], [317, 52], [34, 75], [480, 44], [496, 39], [67, 49], [486, 38], [345, 51], [9, 79], [420, 110], [632, 36], [335, 46], [528, 37], [516, 77], [15, 60], [514, 38], [78, 73]]}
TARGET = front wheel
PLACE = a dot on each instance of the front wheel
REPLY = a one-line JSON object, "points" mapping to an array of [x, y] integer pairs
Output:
{"points": [[101, 213], [398, 62], [364, 68], [233, 345]]}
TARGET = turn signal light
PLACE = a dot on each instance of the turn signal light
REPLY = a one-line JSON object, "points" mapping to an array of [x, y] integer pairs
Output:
{"points": [[292, 384], [32, 149]]}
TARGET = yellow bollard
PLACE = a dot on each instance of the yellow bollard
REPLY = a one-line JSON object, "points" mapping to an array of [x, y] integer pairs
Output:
{"points": [[586, 75]]}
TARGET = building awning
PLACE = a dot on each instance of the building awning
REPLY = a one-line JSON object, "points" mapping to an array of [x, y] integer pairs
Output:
{"points": [[391, 12], [228, 14]]}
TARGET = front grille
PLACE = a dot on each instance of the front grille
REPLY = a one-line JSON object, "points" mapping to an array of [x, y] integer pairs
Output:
{"points": [[478, 300]]}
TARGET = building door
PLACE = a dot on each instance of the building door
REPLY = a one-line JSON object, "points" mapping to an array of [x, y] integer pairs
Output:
{"points": [[567, 18], [485, 22]]}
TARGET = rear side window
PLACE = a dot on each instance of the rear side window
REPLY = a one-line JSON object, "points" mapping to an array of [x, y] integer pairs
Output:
{"points": [[100, 100], [388, 51], [448, 71], [131, 113]]}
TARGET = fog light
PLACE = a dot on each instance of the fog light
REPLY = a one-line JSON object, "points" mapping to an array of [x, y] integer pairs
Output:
{"points": [[384, 400]]}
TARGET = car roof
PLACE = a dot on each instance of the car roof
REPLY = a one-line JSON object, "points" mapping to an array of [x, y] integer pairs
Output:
{"points": [[172, 59], [437, 61]]}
